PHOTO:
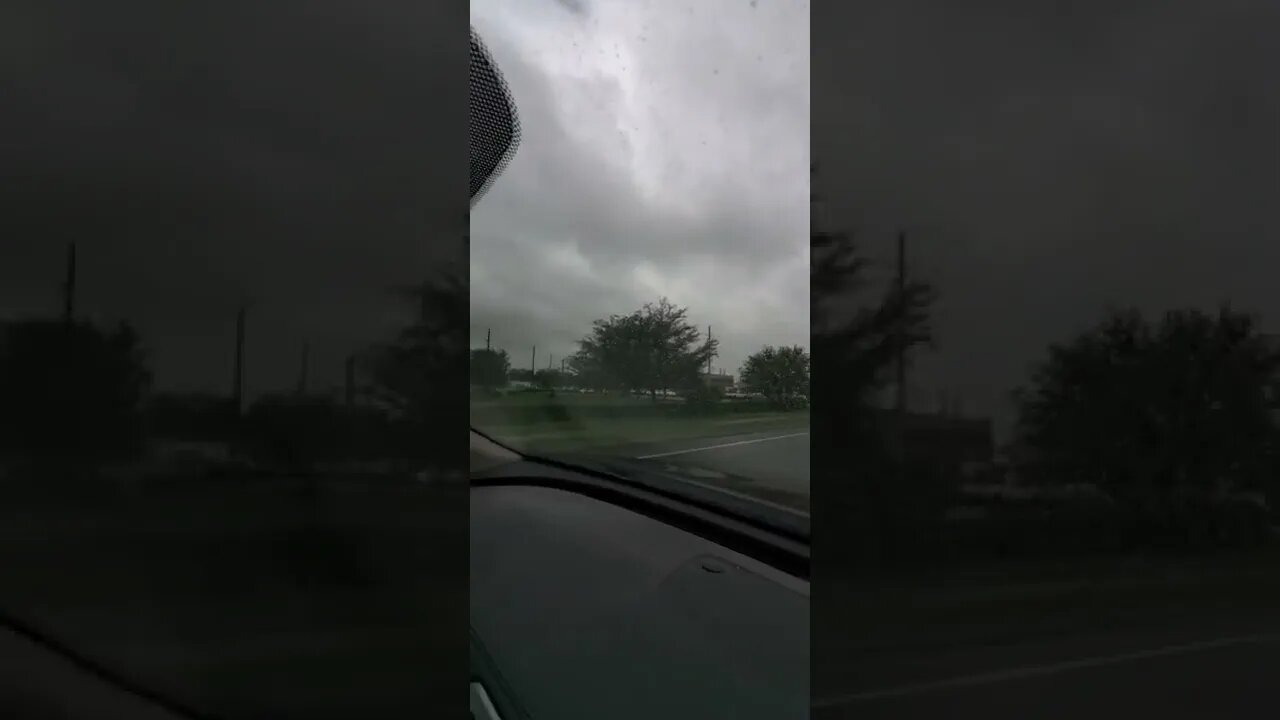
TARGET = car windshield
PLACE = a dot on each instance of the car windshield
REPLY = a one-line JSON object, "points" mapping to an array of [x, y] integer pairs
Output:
{"points": [[639, 272]]}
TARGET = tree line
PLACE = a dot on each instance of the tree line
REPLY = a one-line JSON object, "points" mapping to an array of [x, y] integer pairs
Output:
{"points": [[82, 392], [652, 350], [78, 394], [1171, 418], [1150, 430], [1163, 413]]}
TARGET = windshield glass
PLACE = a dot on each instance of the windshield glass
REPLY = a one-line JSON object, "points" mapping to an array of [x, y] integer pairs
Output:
{"points": [[639, 273]]}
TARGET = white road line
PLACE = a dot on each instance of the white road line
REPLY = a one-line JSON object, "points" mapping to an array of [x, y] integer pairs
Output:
{"points": [[1039, 670], [723, 445], [741, 421]]}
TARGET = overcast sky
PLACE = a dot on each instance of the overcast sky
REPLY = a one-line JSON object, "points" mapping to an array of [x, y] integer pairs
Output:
{"points": [[285, 154], [291, 155], [665, 153], [1047, 163]]}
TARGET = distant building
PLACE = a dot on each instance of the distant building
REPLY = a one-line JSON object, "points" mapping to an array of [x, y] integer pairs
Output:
{"points": [[718, 381], [944, 442]]}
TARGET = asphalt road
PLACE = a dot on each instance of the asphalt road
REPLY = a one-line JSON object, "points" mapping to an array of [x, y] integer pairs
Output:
{"points": [[775, 458], [1188, 673]]}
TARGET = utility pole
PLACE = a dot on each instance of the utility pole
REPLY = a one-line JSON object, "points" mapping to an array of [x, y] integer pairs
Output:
{"points": [[550, 357], [902, 334], [69, 286], [350, 381], [302, 369], [901, 331], [488, 334], [708, 354], [533, 362], [237, 378]]}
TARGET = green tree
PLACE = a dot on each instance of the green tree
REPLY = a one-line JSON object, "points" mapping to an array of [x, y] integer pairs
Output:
{"points": [[857, 331], [191, 416], [405, 374], [489, 368], [652, 349], [781, 374], [549, 379], [294, 431], [72, 391], [587, 373], [1146, 409], [521, 374]]}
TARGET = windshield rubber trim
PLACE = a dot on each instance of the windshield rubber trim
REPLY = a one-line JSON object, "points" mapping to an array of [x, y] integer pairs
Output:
{"points": [[786, 554]]}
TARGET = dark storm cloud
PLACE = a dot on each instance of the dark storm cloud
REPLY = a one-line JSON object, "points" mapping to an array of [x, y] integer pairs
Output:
{"points": [[1047, 162], [577, 7], [201, 156]]}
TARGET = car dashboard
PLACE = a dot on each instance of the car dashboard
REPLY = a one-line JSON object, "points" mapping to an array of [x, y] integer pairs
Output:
{"points": [[593, 599]]}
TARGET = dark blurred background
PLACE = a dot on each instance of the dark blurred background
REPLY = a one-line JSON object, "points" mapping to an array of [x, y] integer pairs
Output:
{"points": [[232, 300], [1045, 427]]}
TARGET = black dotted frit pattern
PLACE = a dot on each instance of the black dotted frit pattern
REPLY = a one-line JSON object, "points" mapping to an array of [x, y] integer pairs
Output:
{"points": [[495, 127]]}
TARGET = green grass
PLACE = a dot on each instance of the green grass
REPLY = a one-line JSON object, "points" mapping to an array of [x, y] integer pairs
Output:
{"points": [[535, 408], [606, 433], [563, 398], [1027, 603]]}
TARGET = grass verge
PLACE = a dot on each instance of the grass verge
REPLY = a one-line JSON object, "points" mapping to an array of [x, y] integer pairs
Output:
{"points": [[601, 434], [1024, 603]]}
